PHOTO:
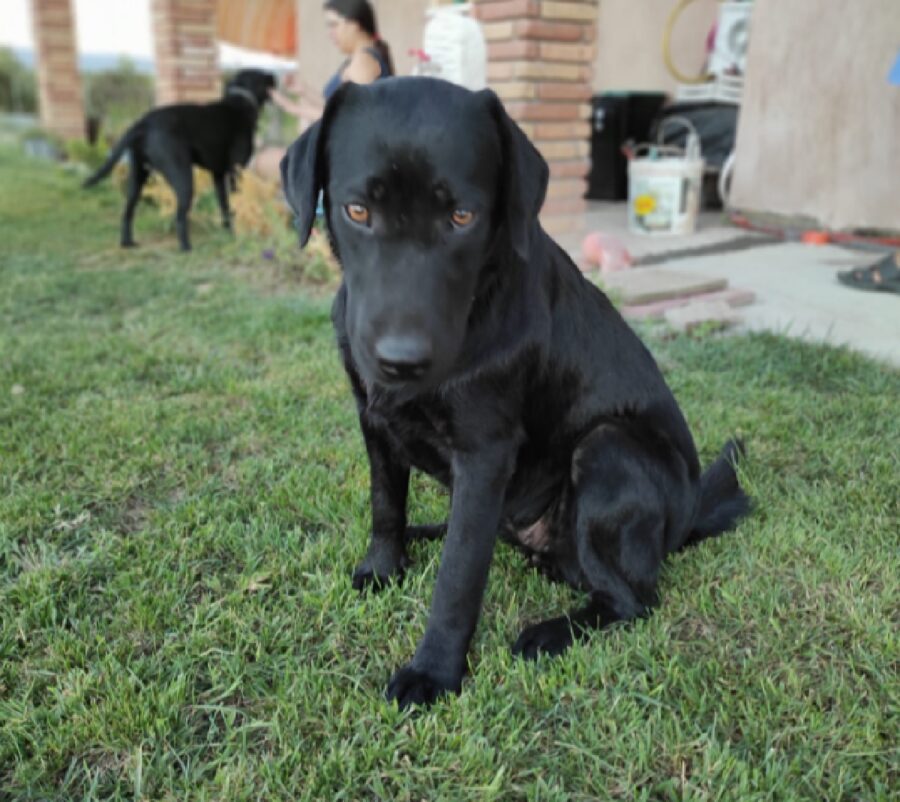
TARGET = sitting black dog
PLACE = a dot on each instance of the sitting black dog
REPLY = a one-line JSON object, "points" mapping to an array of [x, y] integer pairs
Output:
{"points": [[216, 136], [478, 353]]}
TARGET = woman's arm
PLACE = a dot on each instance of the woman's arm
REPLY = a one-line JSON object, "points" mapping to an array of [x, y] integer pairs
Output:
{"points": [[307, 90], [284, 102], [306, 110]]}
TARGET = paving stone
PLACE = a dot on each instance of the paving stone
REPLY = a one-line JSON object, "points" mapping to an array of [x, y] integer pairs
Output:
{"points": [[716, 313], [648, 284], [734, 297]]}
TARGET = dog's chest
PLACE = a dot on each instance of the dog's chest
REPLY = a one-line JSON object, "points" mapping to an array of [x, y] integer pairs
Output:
{"points": [[421, 431]]}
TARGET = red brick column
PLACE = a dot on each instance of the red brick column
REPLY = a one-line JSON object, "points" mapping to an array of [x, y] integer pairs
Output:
{"points": [[59, 84], [184, 33], [540, 63]]}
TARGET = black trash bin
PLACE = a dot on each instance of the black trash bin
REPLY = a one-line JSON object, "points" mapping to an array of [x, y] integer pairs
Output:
{"points": [[617, 117]]}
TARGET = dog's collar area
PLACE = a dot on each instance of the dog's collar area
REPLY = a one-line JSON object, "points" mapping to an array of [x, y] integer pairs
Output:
{"points": [[244, 93]]}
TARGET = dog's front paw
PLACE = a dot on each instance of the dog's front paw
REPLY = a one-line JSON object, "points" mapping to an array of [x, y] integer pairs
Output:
{"points": [[550, 637], [410, 686], [386, 562]]}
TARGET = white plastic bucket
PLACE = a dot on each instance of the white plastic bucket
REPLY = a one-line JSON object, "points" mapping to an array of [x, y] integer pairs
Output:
{"points": [[664, 189]]}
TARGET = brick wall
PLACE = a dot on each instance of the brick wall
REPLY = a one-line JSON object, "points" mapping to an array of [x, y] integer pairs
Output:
{"points": [[540, 64], [59, 84], [184, 33]]}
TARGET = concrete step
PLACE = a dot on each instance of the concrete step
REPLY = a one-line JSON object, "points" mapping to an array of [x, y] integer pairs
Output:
{"points": [[646, 285], [732, 296]]}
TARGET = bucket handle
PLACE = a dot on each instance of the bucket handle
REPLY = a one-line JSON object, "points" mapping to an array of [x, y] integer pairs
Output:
{"points": [[692, 148], [655, 151]]}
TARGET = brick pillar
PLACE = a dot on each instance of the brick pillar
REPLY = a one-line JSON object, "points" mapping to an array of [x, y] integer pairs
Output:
{"points": [[59, 84], [540, 63], [184, 33]]}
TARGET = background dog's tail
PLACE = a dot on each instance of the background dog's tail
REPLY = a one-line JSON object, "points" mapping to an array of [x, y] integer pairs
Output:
{"points": [[722, 502], [131, 135]]}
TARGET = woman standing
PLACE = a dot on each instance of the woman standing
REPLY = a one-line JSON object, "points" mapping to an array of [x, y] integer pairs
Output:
{"points": [[353, 30]]}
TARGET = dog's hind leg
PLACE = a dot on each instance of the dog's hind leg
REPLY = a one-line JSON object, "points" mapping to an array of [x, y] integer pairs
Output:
{"points": [[555, 635], [619, 540], [184, 192], [176, 167], [137, 177], [222, 196]]}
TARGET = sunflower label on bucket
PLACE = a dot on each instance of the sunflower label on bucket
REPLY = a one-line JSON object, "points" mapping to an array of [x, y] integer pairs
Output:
{"points": [[664, 185], [663, 203], [644, 204]]}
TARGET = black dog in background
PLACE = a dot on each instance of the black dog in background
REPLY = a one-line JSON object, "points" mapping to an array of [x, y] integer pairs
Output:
{"points": [[478, 353], [216, 136]]}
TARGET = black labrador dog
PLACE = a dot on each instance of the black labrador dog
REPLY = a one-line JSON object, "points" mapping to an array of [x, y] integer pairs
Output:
{"points": [[478, 353], [215, 136]]}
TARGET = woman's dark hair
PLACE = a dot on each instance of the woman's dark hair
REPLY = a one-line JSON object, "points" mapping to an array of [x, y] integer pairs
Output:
{"points": [[362, 13]]}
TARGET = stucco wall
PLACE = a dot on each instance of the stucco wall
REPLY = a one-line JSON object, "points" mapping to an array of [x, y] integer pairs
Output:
{"points": [[629, 43], [819, 132], [629, 40]]}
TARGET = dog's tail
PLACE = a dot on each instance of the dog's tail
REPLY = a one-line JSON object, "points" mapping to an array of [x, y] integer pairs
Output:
{"points": [[722, 502], [131, 136]]}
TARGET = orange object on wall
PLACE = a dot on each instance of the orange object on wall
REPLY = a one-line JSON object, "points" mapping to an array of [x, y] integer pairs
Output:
{"points": [[266, 25]]}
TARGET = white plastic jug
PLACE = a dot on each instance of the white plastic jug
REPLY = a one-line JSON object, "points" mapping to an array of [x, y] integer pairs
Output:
{"points": [[455, 44]]}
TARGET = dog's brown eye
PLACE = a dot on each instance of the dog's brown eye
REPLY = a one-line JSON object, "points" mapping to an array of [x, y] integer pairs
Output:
{"points": [[462, 218], [357, 213]]}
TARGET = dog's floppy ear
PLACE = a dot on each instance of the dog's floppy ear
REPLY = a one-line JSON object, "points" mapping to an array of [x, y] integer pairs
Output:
{"points": [[524, 176], [303, 168], [301, 179]]}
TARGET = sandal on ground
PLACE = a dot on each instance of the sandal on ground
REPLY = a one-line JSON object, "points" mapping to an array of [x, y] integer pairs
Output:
{"points": [[883, 275]]}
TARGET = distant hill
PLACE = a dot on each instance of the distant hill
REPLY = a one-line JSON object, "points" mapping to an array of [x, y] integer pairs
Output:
{"points": [[90, 62], [230, 58]]}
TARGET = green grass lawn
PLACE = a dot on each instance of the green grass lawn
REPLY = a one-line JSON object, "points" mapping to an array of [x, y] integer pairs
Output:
{"points": [[184, 493]]}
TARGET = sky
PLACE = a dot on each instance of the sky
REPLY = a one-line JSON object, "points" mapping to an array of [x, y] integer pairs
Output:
{"points": [[121, 27]]}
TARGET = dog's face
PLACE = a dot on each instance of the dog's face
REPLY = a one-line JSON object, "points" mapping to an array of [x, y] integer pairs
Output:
{"points": [[424, 183], [257, 82]]}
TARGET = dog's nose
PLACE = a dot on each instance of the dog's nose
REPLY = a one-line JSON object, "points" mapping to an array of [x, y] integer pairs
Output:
{"points": [[403, 357]]}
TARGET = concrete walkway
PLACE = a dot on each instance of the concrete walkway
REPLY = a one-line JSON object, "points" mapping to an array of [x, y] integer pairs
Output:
{"points": [[797, 291], [799, 296]]}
